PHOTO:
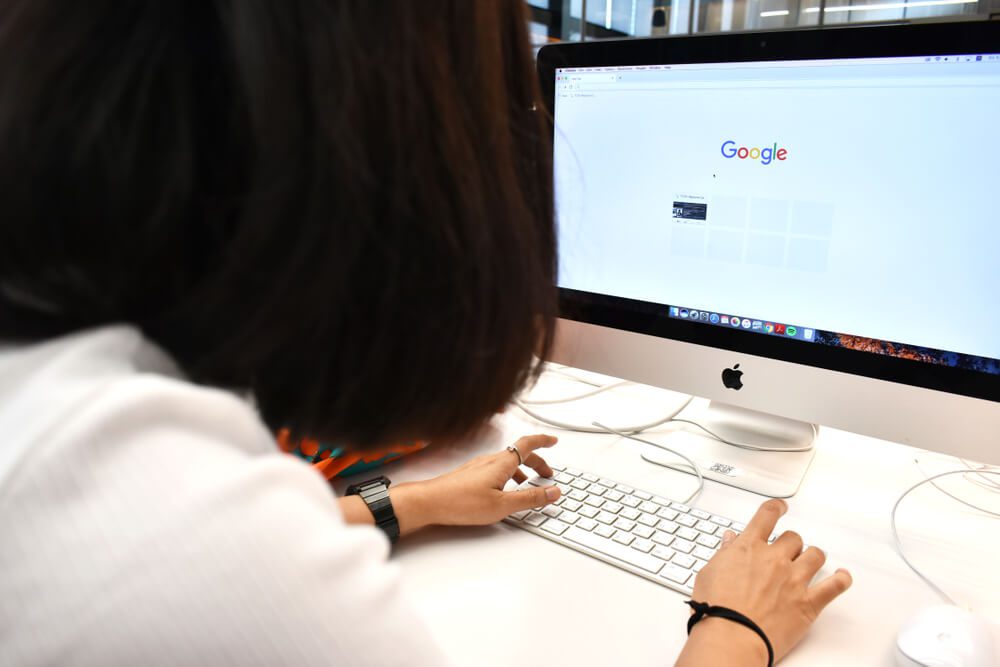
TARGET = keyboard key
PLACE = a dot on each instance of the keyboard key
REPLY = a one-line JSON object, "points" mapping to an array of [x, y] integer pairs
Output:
{"points": [[680, 559], [621, 537], [662, 553], [569, 518], [622, 553], [604, 531], [555, 466], [642, 545], [662, 538], [682, 545], [709, 541], [667, 514], [647, 506], [634, 529], [623, 524], [554, 526], [687, 533], [535, 519], [676, 574], [644, 532], [703, 552], [667, 526], [707, 527]]}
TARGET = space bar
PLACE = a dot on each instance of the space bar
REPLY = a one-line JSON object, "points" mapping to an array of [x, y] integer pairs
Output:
{"points": [[613, 549]]}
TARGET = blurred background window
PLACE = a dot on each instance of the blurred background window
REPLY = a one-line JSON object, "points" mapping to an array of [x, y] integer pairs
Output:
{"points": [[564, 19]]}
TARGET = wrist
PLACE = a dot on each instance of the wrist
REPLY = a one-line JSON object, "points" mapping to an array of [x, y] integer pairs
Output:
{"points": [[740, 644], [413, 506]]}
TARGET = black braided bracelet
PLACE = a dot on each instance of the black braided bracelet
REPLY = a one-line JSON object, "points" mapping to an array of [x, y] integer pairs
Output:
{"points": [[703, 609]]}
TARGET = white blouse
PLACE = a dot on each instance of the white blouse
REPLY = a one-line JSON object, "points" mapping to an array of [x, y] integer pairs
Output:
{"points": [[148, 521]]}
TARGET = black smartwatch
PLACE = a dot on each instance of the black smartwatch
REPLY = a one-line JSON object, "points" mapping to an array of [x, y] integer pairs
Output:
{"points": [[375, 493]]}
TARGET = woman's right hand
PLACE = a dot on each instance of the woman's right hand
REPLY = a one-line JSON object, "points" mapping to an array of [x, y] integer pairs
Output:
{"points": [[767, 583]]}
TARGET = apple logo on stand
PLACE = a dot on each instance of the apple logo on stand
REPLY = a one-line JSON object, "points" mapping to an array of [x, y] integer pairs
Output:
{"points": [[732, 378]]}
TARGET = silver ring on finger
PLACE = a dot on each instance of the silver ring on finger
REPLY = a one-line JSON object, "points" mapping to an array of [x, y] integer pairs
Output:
{"points": [[520, 459]]}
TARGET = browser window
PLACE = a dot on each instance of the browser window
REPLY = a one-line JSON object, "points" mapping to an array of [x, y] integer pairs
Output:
{"points": [[852, 196]]}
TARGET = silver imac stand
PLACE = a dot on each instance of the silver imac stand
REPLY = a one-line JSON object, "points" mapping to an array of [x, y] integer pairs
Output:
{"points": [[777, 472]]}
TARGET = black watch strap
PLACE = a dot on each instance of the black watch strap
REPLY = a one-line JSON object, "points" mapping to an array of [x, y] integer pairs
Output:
{"points": [[375, 493]]}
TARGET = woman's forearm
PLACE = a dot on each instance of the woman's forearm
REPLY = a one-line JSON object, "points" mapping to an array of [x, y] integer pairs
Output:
{"points": [[410, 503]]}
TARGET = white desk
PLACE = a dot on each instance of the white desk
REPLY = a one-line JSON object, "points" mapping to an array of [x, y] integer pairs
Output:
{"points": [[501, 596]]}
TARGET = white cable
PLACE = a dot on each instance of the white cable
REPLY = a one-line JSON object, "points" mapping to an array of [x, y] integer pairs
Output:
{"points": [[895, 534], [589, 429], [580, 428], [953, 496], [569, 399], [692, 464], [981, 468], [562, 370]]}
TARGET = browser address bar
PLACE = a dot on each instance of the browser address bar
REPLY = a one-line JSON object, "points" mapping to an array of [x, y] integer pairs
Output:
{"points": [[802, 83]]}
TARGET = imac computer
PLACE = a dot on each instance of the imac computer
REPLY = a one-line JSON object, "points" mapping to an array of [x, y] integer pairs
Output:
{"points": [[802, 227]]}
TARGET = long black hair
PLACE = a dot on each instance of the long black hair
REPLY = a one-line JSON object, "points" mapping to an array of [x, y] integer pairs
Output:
{"points": [[343, 207]]}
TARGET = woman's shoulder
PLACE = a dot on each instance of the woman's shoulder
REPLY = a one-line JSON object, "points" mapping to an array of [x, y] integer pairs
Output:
{"points": [[62, 398], [167, 510]]}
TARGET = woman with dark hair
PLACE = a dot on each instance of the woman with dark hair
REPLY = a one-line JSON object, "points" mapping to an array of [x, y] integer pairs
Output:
{"points": [[222, 218]]}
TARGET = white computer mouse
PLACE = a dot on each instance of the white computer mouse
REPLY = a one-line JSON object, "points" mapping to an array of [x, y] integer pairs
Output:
{"points": [[945, 636]]}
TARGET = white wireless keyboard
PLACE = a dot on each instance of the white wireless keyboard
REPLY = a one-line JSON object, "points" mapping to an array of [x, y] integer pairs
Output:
{"points": [[660, 540]]}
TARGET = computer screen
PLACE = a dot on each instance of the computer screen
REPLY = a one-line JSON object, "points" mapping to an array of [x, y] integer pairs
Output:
{"points": [[840, 202]]}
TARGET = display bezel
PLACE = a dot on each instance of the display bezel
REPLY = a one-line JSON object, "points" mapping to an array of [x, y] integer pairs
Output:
{"points": [[943, 39]]}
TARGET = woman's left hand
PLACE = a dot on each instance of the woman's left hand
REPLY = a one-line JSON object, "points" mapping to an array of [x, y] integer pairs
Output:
{"points": [[473, 495]]}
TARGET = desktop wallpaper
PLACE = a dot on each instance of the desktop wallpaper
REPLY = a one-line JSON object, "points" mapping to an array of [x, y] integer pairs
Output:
{"points": [[913, 352]]}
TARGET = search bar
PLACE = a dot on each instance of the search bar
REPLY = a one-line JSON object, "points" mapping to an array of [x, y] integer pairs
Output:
{"points": [[896, 82]]}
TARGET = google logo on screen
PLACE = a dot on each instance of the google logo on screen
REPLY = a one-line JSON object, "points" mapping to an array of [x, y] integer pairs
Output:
{"points": [[765, 155]]}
